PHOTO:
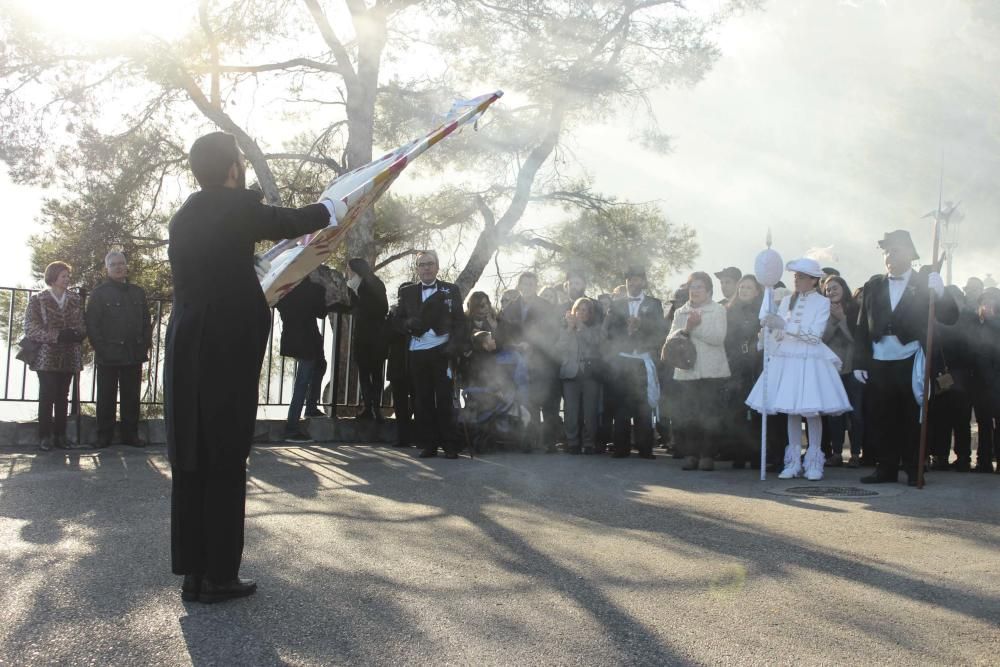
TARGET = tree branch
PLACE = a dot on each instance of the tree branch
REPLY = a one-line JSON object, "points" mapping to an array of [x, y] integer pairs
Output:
{"points": [[396, 257], [339, 52], [307, 63]]}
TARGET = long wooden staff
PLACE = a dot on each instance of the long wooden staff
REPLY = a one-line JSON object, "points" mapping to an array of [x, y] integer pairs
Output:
{"points": [[928, 353]]}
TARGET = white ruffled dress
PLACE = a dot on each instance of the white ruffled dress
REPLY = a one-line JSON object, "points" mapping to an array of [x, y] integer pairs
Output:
{"points": [[803, 374]]}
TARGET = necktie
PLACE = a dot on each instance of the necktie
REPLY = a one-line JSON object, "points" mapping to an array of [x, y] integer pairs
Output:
{"points": [[429, 287]]}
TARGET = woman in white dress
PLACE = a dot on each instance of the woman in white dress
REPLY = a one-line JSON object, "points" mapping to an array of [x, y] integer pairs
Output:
{"points": [[803, 374]]}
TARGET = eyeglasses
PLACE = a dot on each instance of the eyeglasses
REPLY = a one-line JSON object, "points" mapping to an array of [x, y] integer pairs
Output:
{"points": [[426, 265]]}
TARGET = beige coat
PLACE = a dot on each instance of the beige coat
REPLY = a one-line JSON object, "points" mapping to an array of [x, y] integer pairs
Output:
{"points": [[708, 338]]}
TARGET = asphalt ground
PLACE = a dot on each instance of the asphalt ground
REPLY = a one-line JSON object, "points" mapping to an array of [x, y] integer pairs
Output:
{"points": [[369, 555]]}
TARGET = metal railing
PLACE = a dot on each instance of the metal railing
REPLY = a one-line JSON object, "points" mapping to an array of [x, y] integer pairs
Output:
{"points": [[341, 388]]}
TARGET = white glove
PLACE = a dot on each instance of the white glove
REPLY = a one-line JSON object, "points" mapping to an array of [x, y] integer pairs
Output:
{"points": [[861, 376], [773, 321], [261, 266], [336, 207], [935, 283]]}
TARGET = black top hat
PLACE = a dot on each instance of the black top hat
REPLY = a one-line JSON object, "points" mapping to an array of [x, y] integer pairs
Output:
{"points": [[899, 238], [729, 272]]}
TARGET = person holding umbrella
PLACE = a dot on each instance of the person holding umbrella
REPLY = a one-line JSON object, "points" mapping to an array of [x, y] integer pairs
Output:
{"points": [[803, 379]]}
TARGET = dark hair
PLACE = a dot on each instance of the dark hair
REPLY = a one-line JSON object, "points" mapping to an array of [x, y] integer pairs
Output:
{"points": [[211, 156], [848, 302], [749, 277], [703, 277], [527, 275], [474, 300], [833, 278], [53, 270], [590, 303]]}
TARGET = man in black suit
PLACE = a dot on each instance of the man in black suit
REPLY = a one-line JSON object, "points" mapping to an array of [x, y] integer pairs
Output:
{"points": [[369, 305], [892, 329], [430, 313], [214, 350], [635, 329], [531, 325]]}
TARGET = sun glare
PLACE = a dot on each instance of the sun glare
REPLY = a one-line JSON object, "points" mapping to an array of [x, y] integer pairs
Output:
{"points": [[109, 20]]}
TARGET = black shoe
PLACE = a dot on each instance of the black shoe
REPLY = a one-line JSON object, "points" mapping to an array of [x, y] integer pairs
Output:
{"points": [[137, 442], [647, 455], [237, 588], [879, 477], [102, 443], [191, 587], [402, 444], [297, 437], [573, 450], [315, 412], [364, 415], [939, 463], [45, 444], [379, 419], [587, 451], [451, 455], [427, 453], [620, 455], [739, 465]]}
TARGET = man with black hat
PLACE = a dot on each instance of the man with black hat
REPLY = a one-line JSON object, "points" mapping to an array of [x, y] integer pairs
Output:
{"points": [[430, 313], [891, 332], [635, 330], [728, 277], [215, 347]]}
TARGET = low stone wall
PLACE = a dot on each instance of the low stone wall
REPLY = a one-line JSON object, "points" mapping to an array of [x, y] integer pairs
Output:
{"points": [[25, 434]]}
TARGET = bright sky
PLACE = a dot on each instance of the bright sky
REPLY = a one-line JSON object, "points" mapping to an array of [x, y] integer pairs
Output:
{"points": [[826, 121]]}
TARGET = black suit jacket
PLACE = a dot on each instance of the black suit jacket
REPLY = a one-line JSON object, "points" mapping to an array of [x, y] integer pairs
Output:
{"points": [[442, 311], [650, 335], [537, 325], [219, 322], [908, 322]]}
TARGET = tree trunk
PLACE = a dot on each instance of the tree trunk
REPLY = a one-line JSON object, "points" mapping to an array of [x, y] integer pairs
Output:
{"points": [[493, 235]]}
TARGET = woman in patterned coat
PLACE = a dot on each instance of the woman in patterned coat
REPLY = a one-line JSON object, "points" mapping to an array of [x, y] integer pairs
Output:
{"points": [[54, 320]]}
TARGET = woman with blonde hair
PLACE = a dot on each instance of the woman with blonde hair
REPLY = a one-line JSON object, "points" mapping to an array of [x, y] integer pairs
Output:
{"points": [[581, 349]]}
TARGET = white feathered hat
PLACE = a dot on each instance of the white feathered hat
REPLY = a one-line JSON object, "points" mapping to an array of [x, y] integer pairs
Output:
{"points": [[806, 265]]}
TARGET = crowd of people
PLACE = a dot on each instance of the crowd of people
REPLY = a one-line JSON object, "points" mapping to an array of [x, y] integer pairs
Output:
{"points": [[554, 369]]}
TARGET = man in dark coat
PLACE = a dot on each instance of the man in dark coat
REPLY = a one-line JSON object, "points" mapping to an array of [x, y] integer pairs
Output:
{"points": [[214, 350], [370, 305], [635, 326], [892, 329], [302, 341], [430, 313], [398, 373], [120, 332]]}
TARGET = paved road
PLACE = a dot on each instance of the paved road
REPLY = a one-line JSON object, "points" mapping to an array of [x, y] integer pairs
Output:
{"points": [[368, 555]]}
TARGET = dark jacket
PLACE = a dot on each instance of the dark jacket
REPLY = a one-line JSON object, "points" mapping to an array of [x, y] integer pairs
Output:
{"points": [[908, 322], [442, 312], [118, 324], [219, 322], [299, 310], [986, 365], [650, 335], [742, 328], [538, 325]]}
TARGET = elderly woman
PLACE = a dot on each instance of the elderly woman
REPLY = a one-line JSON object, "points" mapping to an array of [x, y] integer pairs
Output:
{"points": [[581, 348], [704, 322], [54, 320], [803, 377]]}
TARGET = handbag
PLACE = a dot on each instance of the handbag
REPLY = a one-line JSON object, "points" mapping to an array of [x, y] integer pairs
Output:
{"points": [[29, 349], [679, 352], [943, 381]]}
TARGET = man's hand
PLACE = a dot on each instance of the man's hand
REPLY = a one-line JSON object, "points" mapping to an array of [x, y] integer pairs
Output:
{"points": [[336, 207], [412, 323], [69, 336], [694, 319], [861, 376], [773, 321], [935, 283]]}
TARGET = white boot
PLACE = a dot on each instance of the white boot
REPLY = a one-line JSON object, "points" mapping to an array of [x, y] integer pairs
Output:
{"points": [[814, 464], [793, 462]]}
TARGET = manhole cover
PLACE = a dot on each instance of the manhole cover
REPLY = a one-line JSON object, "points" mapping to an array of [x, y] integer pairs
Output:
{"points": [[829, 491]]}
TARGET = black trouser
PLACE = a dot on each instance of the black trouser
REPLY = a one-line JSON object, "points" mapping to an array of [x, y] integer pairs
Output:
{"points": [[951, 412], [370, 357], [206, 522], [632, 404], [111, 381], [700, 416], [544, 396], [432, 392], [402, 406], [53, 398], [987, 411], [897, 417]]}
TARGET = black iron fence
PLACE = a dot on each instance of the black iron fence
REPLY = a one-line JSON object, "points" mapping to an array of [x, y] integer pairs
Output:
{"points": [[341, 387]]}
